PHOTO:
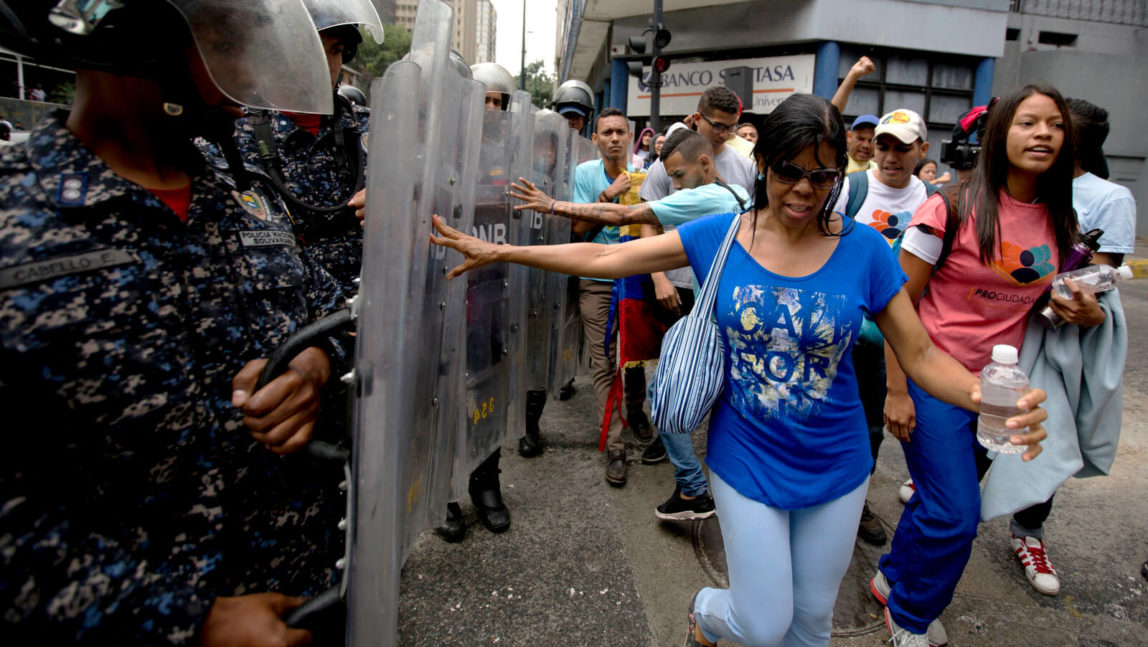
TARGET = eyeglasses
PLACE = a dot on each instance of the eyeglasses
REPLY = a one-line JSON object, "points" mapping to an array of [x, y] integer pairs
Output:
{"points": [[717, 125], [790, 173]]}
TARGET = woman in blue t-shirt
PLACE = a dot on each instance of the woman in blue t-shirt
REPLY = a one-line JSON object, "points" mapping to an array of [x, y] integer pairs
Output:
{"points": [[788, 447]]}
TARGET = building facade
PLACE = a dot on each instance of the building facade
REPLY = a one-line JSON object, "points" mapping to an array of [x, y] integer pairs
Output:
{"points": [[487, 26], [474, 34], [387, 10], [938, 57], [405, 11]]}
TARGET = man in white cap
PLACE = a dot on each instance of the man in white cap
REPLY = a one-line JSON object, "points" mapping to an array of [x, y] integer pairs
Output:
{"points": [[883, 197]]}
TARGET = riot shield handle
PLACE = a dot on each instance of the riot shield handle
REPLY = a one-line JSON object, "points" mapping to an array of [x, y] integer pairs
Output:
{"points": [[305, 337], [303, 615]]}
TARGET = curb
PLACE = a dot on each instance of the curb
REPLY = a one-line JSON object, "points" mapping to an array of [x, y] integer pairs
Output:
{"points": [[1139, 267]]}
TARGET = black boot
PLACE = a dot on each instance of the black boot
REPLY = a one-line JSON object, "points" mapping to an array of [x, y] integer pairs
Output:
{"points": [[486, 495], [567, 391], [453, 529], [530, 445]]}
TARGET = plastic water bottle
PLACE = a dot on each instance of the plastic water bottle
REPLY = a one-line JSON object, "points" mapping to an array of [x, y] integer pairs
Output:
{"points": [[1093, 279], [1002, 384]]}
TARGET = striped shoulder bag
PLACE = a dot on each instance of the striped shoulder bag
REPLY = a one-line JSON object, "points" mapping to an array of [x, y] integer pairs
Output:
{"points": [[691, 369]]}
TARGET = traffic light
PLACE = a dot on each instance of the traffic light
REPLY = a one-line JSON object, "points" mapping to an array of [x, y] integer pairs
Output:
{"points": [[654, 39]]}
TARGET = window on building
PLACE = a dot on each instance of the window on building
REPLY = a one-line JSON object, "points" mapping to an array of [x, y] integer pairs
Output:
{"points": [[936, 86], [1056, 38]]}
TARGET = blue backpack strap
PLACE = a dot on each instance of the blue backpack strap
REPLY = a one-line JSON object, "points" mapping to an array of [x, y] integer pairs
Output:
{"points": [[858, 190]]}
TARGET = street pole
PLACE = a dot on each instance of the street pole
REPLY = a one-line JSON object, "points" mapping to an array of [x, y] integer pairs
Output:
{"points": [[522, 65], [655, 77]]}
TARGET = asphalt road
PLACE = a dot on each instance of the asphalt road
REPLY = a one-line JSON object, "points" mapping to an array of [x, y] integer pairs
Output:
{"points": [[588, 564]]}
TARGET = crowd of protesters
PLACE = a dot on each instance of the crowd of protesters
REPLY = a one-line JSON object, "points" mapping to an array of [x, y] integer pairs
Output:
{"points": [[149, 270]]}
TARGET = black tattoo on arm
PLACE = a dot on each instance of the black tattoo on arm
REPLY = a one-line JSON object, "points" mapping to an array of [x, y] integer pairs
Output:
{"points": [[608, 213]]}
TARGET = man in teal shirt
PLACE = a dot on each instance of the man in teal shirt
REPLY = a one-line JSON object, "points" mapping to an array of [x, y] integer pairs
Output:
{"points": [[604, 180], [689, 162]]}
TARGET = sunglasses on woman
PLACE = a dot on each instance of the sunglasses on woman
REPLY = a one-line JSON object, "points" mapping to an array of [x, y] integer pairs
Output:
{"points": [[790, 173]]}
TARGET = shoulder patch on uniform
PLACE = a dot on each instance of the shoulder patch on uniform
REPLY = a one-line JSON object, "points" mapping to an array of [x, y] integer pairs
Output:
{"points": [[73, 189], [266, 238], [51, 268], [252, 203]]}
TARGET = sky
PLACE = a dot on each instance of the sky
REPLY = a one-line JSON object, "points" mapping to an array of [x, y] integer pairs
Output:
{"points": [[540, 19]]}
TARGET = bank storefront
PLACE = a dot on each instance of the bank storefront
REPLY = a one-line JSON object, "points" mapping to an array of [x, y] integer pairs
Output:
{"points": [[935, 57], [774, 78], [940, 87]]}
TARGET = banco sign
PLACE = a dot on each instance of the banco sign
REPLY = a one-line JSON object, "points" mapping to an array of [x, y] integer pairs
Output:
{"points": [[774, 79]]}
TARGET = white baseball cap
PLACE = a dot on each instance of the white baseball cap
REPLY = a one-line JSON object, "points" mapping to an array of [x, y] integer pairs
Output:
{"points": [[904, 124]]}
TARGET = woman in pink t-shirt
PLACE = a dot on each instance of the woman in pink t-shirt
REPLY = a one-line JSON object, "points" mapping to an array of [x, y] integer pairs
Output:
{"points": [[1015, 222]]}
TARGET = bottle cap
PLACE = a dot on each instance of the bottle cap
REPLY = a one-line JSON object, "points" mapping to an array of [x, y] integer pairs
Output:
{"points": [[1004, 354], [1125, 272]]}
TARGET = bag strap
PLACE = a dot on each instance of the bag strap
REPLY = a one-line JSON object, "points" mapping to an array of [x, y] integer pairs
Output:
{"points": [[952, 223], [858, 190], [705, 302], [740, 203]]}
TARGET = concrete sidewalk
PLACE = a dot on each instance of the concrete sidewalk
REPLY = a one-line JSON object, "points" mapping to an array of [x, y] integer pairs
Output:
{"points": [[587, 564]]}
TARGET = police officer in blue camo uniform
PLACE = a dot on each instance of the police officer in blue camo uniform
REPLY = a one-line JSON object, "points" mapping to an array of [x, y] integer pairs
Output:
{"points": [[135, 507], [318, 160], [483, 484]]}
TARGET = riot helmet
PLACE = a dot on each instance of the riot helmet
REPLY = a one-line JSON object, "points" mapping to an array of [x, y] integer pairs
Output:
{"points": [[353, 94], [574, 95], [341, 18], [574, 100], [250, 48], [460, 64], [497, 81]]}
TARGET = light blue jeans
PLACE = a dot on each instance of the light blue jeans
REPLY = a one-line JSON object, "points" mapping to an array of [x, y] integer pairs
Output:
{"points": [[687, 468], [785, 567]]}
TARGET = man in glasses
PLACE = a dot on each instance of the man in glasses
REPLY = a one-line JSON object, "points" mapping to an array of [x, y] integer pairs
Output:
{"points": [[883, 197], [716, 118], [700, 190]]}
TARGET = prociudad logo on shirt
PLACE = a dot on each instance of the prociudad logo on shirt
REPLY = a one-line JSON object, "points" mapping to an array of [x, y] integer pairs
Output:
{"points": [[1021, 267]]}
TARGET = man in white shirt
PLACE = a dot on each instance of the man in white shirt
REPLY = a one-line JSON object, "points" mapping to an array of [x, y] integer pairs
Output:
{"points": [[883, 197], [715, 119]]}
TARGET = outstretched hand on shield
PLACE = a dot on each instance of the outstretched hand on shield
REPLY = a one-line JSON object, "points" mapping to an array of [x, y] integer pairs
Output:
{"points": [[532, 197], [477, 252]]}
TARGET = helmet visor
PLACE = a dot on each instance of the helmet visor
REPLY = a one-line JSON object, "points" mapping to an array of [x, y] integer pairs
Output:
{"points": [[262, 53]]}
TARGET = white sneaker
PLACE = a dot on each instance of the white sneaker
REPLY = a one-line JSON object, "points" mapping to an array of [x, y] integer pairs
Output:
{"points": [[906, 491], [879, 586], [1039, 571], [901, 637]]}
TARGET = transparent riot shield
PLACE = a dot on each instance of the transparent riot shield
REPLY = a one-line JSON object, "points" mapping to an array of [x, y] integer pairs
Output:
{"points": [[523, 229], [490, 314], [539, 229], [567, 347], [422, 158], [551, 158]]}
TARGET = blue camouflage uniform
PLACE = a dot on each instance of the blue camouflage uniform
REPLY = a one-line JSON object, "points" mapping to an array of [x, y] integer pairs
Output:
{"points": [[131, 494], [316, 171]]}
